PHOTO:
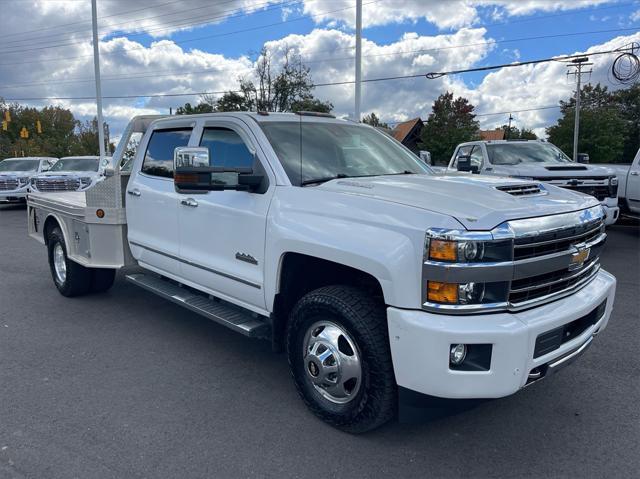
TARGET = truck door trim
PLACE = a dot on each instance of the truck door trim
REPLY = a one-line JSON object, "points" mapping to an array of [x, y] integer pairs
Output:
{"points": [[190, 263]]}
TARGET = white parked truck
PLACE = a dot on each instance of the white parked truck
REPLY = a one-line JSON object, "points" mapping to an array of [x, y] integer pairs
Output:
{"points": [[628, 186], [70, 173], [385, 284], [16, 173], [538, 160]]}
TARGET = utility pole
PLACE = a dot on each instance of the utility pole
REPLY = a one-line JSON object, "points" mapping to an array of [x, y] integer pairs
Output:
{"points": [[576, 65], [358, 58], [509, 127], [96, 67]]}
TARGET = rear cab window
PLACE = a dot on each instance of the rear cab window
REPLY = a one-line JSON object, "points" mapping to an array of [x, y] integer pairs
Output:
{"points": [[158, 158]]}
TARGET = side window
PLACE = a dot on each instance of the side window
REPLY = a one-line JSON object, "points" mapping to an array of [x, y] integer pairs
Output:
{"points": [[226, 148], [158, 159], [476, 157]]}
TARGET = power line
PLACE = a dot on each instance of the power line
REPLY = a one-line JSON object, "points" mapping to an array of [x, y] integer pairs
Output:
{"points": [[323, 60], [205, 37], [315, 85], [171, 25]]}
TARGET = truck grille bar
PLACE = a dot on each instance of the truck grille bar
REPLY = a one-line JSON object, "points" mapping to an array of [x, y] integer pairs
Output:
{"points": [[57, 184], [8, 184]]}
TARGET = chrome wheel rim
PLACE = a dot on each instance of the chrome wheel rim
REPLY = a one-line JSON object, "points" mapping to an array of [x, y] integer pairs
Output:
{"points": [[59, 263], [332, 362]]}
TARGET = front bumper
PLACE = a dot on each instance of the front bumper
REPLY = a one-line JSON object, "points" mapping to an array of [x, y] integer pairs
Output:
{"points": [[612, 212], [13, 196], [420, 343]]}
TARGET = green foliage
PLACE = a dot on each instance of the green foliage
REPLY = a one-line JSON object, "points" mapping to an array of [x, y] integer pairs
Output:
{"points": [[373, 120], [451, 122], [62, 134], [608, 123], [284, 87], [514, 133]]}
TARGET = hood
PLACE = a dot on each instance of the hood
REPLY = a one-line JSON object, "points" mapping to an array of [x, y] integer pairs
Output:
{"points": [[63, 174], [18, 174], [550, 170], [473, 200]]}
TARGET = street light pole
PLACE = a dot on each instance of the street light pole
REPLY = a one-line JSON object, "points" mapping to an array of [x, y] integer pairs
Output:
{"points": [[96, 67], [578, 63], [358, 58]]}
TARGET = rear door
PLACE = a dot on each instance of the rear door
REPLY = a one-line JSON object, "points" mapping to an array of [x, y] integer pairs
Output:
{"points": [[152, 203], [223, 232]]}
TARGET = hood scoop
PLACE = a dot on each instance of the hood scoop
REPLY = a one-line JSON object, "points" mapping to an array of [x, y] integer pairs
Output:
{"points": [[523, 190], [566, 168]]}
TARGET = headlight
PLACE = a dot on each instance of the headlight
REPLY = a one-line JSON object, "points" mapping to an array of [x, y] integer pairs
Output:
{"points": [[453, 264], [613, 181], [24, 181], [85, 182], [470, 251]]}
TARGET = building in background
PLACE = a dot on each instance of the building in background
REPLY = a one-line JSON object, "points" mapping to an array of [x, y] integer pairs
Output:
{"points": [[497, 134], [408, 133]]}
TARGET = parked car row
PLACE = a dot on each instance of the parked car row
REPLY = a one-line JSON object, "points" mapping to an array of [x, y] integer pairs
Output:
{"points": [[19, 176], [390, 288], [540, 161]]}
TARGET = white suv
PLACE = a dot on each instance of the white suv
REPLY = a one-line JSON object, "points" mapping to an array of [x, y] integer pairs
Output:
{"points": [[16, 173]]}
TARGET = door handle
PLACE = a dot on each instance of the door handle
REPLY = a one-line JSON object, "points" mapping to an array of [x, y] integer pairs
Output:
{"points": [[189, 202], [134, 192], [634, 173]]}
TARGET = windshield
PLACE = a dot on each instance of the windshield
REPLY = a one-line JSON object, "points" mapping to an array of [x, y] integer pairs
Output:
{"points": [[337, 150], [76, 164], [533, 152], [19, 165]]}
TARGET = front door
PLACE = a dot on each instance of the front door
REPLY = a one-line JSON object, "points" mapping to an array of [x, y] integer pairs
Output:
{"points": [[222, 233], [633, 185], [152, 204]]}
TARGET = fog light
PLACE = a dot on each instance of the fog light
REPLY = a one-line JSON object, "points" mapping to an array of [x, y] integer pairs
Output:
{"points": [[457, 354]]}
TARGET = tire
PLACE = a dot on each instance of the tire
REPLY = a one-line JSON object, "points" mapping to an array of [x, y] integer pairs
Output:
{"points": [[359, 322], [102, 279], [76, 279]]}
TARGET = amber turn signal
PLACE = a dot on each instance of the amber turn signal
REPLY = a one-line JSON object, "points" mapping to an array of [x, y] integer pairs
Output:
{"points": [[442, 292], [443, 250]]}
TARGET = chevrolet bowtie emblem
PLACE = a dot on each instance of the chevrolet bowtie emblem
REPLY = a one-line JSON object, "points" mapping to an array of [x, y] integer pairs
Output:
{"points": [[578, 258]]}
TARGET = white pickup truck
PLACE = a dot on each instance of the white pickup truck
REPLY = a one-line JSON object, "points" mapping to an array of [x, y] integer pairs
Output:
{"points": [[538, 160], [385, 284], [16, 173], [629, 186]]}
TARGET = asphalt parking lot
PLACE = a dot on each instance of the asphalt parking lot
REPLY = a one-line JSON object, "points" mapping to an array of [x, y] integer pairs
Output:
{"points": [[127, 385]]}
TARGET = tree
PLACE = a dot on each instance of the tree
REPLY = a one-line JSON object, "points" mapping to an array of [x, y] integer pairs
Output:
{"points": [[59, 133], [627, 102], [603, 129], [451, 122], [274, 87], [514, 133], [188, 109], [373, 120]]}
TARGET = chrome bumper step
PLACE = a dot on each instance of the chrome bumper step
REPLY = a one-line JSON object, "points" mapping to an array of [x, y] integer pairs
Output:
{"points": [[226, 314]]}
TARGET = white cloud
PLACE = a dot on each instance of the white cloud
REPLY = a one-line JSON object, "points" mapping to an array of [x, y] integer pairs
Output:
{"points": [[635, 16]]}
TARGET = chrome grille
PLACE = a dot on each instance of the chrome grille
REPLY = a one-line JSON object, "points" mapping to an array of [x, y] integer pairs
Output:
{"points": [[57, 184], [599, 191], [539, 286], [520, 190], [558, 240], [8, 184]]}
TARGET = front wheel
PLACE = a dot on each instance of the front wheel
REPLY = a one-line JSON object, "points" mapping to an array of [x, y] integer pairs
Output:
{"points": [[339, 356]]}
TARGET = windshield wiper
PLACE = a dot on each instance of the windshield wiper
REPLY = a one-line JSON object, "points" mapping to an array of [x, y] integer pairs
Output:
{"points": [[315, 181], [405, 172]]}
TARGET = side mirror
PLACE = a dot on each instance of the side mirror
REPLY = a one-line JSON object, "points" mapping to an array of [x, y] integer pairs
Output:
{"points": [[426, 157], [583, 158], [193, 173], [463, 163]]}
